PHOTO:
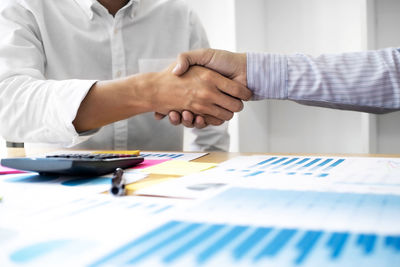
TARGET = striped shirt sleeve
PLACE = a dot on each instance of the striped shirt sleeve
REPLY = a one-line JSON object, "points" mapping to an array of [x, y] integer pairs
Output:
{"points": [[363, 81]]}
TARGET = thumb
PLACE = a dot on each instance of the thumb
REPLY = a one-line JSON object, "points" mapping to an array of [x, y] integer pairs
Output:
{"points": [[196, 57]]}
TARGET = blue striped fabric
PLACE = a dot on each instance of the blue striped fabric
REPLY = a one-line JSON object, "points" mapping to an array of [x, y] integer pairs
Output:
{"points": [[363, 81]]}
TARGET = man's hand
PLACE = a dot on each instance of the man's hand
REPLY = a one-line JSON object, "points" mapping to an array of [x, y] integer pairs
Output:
{"points": [[231, 65], [200, 91]]}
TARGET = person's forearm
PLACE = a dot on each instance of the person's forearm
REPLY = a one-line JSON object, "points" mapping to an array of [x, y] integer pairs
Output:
{"points": [[362, 81], [35, 110], [110, 101]]}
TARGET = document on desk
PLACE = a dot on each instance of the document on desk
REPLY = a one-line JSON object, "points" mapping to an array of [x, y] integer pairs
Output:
{"points": [[268, 227], [351, 174], [25, 211], [179, 167], [74, 185], [186, 156], [73, 231]]}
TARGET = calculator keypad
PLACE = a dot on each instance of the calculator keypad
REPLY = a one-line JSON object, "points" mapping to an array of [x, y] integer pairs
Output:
{"points": [[91, 156]]}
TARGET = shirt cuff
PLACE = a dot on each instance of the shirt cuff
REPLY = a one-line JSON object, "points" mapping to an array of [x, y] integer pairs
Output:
{"points": [[267, 75], [82, 137], [70, 98]]}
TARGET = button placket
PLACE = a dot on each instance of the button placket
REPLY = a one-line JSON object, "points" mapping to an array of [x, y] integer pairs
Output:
{"points": [[119, 70]]}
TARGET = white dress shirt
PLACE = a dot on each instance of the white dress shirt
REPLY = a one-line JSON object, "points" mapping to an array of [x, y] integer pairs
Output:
{"points": [[363, 81], [52, 52]]}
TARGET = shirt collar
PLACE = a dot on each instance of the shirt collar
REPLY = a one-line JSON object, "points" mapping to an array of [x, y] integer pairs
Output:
{"points": [[87, 6]]}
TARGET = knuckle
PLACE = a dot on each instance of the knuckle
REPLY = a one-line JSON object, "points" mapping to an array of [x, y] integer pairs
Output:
{"points": [[200, 109], [208, 75], [204, 94], [194, 107]]}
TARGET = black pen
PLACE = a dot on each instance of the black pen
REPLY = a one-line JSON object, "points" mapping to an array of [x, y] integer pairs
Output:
{"points": [[118, 183]]}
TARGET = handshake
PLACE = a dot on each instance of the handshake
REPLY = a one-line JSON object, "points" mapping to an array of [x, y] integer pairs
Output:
{"points": [[211, 85]]}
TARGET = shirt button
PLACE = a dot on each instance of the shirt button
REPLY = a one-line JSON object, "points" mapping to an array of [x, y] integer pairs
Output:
{"points": [[118, 74], [115, 31]]}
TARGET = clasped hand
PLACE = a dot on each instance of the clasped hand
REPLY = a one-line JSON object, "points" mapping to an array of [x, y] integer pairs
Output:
{"points": [[213, 92]]}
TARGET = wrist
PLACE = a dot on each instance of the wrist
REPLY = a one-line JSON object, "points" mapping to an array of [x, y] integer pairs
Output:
{"points": [[138, 92]]}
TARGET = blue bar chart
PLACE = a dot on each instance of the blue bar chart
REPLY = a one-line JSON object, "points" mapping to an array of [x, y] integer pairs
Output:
{"points": [[180, 243], [303, 166], [185, 156], [331, 210], [163, 155]]}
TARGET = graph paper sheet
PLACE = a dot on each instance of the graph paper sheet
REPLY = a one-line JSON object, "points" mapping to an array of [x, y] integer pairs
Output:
{"points": [[269, 227], [350, 174]]}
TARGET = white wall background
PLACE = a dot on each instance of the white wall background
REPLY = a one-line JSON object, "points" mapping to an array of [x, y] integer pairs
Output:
{"points": [[312, 27], [2, 146], [387, 34]]}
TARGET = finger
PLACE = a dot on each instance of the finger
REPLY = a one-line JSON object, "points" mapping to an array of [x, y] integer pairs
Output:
{"points": [[232, 88], [197, 57], [215, 111], [228, 102], [159, 116], [199, 122], [188, 119], [174, 117], [210, 120]]}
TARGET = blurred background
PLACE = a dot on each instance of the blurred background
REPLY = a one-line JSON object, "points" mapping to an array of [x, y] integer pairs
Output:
{"points": [[311, 27]]}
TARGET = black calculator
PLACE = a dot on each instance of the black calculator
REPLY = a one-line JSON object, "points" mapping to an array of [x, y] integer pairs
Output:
{"points": [[74, 164]]}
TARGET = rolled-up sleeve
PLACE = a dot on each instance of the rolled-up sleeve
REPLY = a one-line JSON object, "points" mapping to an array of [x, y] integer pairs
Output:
{"points": [[32, 108]]}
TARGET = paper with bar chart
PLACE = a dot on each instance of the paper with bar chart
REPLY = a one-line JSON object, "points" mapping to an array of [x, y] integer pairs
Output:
{"points": [[29, 211], [181, 243], [264, 227], [353, 174], [72, 231]]}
